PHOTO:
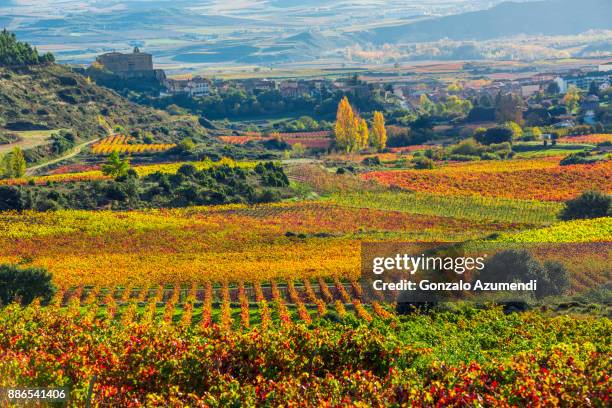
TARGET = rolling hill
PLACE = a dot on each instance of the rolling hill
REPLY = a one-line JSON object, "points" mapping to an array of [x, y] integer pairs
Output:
{"points": [[48, 97]]}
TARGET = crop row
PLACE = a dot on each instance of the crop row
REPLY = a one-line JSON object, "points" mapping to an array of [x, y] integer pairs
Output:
{"points": [[471, 358]]}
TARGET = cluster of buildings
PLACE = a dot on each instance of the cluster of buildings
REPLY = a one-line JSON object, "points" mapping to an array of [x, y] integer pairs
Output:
{"points": [[199, 86], [140, 65], [602, 78]]}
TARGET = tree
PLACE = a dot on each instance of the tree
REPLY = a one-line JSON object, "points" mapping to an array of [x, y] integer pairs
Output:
{"points": [[349, 128], [553, 88], [379, 132], [186, 145], [509, 108], [536, 132], [345, 122], [571, 99], [520, 266], [593, 89], [494, 135], [25, 285], [13, 164], [14, 53], [590, 204], [426, 105], [12, 198], [364, 134], [115, 167], [516, 130]]}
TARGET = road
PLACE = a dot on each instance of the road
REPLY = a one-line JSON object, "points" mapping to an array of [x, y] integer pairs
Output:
{"points": [[73, 152]]}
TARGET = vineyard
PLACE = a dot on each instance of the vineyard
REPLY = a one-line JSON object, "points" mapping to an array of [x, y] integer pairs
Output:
{"points": [[312, 140], [124, 144], [594, 138], [263, 305], [537, 179], [420, 360]]}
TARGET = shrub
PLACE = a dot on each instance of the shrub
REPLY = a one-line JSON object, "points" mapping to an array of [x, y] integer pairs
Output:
{"points": [[590, 204], [423, 163], [371, 161], [489, 156], [25, 284], [494, 135], [467, 147], [577, 158], [520, 266], [12, 198], [463, 157]]}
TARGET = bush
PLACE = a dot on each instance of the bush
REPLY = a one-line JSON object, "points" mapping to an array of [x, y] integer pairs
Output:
{"points": [[577, 158], [25, 285], [423, 163], [590, 204], [494, 135], [371, 161], [489, 156], [12, 198], [467, 147], [520, 266], [463, 157]]}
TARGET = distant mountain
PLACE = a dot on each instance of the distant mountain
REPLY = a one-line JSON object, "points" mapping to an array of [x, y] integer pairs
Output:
{"points": [[552, 17], [139, 19]]}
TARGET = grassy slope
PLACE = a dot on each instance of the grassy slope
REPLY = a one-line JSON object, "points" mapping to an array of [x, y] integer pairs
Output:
{"points": [[54, 97], [27, 140]]}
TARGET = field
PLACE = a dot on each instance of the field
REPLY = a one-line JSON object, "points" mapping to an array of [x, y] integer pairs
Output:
{"points": [[449, 359], [263, 305], [312, 140], [530, 179], [124, 144], [594, 138], [28, 140]]}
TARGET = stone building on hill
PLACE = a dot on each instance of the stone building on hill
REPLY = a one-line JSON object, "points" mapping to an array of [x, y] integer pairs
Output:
{"points": [[134, 65]]}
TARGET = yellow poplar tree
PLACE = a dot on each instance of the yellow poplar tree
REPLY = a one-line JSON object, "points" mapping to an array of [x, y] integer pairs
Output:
{"points": [[379, 132], [364, 134], [345, 125]]}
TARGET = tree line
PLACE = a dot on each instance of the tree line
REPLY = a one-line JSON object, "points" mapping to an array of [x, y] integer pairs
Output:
{"points": [[15, 53]]}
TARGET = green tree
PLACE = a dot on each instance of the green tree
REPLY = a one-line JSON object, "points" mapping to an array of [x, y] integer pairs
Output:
{"points": [[571, 99], [590, 204], [520, 266], [593, 89], [14, 53], [509, 108], [115, 167], [24, 285], [13, 164]]}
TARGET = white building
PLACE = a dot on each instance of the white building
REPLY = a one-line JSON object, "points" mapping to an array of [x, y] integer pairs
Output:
{"points": [[584, 81], [192, 86]]}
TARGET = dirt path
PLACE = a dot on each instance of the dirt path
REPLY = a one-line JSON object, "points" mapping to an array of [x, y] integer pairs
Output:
{"points": [[73, 152]]}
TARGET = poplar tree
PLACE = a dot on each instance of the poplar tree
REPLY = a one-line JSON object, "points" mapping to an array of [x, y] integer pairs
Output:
{"points": [[379, 132], [364, 134]]}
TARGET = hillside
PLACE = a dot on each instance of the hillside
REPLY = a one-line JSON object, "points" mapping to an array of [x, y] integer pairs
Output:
{"points": [[51, 97], [552, 17]]}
